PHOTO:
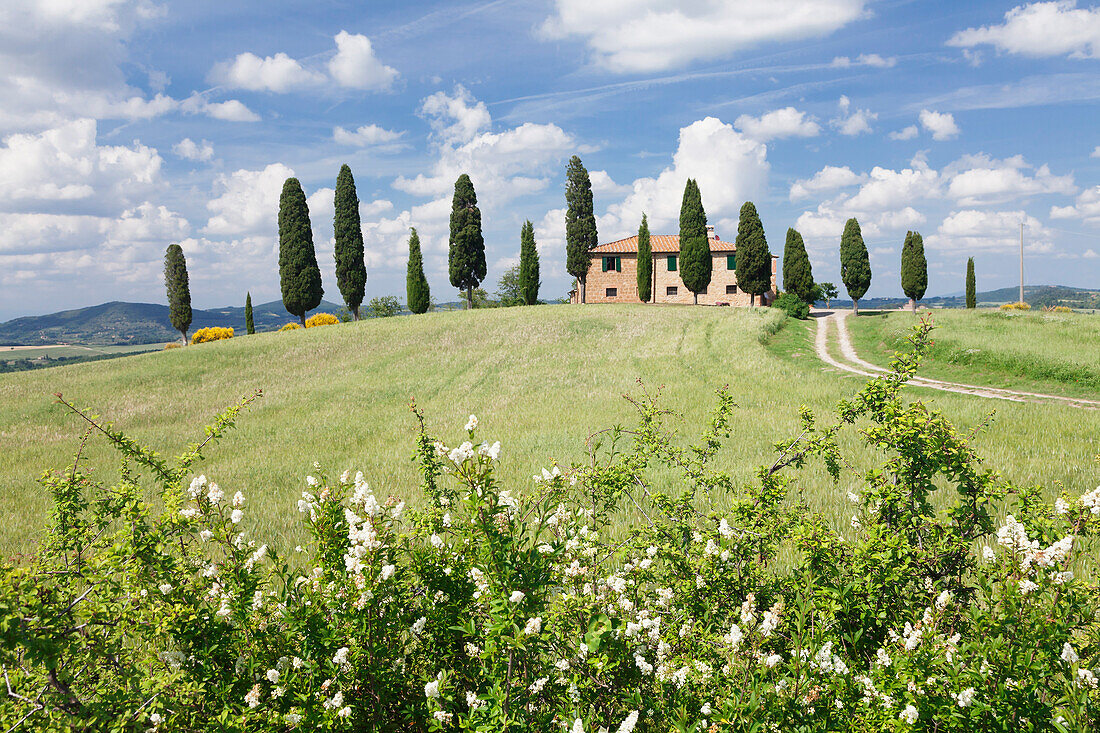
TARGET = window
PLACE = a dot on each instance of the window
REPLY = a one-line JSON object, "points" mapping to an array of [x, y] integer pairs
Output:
{"points": [[671, 289], [731, 290], [613, 263], [672, 264], [731, 262], [612, 293]]}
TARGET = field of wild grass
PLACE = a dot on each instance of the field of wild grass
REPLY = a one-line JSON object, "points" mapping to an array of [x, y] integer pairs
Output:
{"points": [[1057, 353], [539, 379]]}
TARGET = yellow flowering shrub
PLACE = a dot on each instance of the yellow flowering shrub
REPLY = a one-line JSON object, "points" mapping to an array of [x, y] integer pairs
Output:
{"points": [[321, 319], [213, 333], [290, 327], [1062, 309], [172, 345], [1015, 307]]}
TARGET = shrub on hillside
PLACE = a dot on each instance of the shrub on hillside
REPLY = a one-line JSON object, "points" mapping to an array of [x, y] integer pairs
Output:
{"points": [[211, 333], [321, 319], [639, 589], [794, 306], [1020, 306], [172, 345], [384, 307], [290, 326]]}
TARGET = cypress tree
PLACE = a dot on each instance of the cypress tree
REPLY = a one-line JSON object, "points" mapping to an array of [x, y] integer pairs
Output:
{"points": [[754, 261], [249, 323], [855, 263], [299, 276], [528, 265], [798, 276], [580, 222], [467, 253], [179, 289], [971, 285], [645, 262], [914, 269], [695, 261], [417, 292], [351, 270]]}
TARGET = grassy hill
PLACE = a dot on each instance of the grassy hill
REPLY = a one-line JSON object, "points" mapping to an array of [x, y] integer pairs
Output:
{"points": [[540, 379]]}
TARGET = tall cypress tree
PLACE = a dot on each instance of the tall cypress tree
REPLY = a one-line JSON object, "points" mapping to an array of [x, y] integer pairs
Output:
{"points": [[798, 276], [249, 323], [971, 285], [914, 269], [580, 223], [528, 265], [645, 262], [754, 261], [855, 263], [695, 261], [179, 289], [467, 253], [351, 270], [416, 285], [299, 276]]}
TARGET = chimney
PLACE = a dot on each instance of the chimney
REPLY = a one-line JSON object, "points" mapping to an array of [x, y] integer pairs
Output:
{"points": [[710, 232]]}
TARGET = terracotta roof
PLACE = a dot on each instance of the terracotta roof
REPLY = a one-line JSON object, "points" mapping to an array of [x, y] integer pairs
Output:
{"points": [[660, 244]]}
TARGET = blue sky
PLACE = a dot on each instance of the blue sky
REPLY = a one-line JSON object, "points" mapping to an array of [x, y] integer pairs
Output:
{"points": [[131, 124]]}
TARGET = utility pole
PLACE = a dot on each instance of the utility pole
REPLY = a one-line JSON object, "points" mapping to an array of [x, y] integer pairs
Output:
{"points": [[1021, 261]]}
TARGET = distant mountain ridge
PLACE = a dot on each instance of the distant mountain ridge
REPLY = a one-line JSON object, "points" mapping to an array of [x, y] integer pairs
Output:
{"points": [[1037, 296], [118, 323]]}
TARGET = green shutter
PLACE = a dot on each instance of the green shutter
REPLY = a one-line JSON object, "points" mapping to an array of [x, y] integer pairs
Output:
{"points": [[605, 264], [618, 264], [731, 262], [672, 263]]}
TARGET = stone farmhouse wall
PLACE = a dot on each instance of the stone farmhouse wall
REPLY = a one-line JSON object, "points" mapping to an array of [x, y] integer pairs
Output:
{"points": [[621, 286]]}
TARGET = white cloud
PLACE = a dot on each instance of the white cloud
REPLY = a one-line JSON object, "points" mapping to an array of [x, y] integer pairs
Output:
{"points": [[940, 124], [456, 117], [729, 167], [278, 73], [865, 59], [248, 203], [1087, 207], [850, 121], [1090, 254], [779, 123], [1095, 152], [979, 179], [829, 178], [603, 184], [1040, 29], [356, 66], [191, 150], [964, 232], [906, 133], [652, 35], [366, 136], [231, 110]]}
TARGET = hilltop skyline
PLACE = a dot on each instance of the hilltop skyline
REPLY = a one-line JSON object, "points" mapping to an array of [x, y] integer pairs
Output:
{"points": [[130, 124]]}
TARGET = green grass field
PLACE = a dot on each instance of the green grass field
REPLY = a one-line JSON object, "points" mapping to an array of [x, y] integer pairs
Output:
{"points": [[1056, 353], [540, 380], [8, 353]]}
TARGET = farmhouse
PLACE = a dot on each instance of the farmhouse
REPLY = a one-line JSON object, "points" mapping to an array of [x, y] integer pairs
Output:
{"points": [[613, 275]]}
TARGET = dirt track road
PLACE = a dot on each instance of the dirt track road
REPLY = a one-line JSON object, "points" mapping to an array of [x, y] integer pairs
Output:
{"points": [[850, 362]]}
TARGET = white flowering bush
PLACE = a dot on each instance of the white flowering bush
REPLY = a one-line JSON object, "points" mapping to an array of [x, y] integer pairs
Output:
{"points": [[593, 599]]}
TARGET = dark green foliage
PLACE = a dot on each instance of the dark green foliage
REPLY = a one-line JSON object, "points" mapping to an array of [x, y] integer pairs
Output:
{"points": [[528, 265], [695, 261], [826, 292], [971, 285], [580, 222], [351, 271], [645, 262], [855, 263], [466, 260], [417, 291], [384, 307], [179, 289], [299, 276], [914, 268], [795, 306], [249, 324], [798, 276], [510, 288], [754, 261]]}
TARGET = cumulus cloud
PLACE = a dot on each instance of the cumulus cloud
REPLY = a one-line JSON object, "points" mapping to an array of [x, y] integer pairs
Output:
{"points": [[649, 35], [865, 59], [247, 202], [1095, 152], [940, 124], [729, 167], [972, 230], [829, 178], [278, 73], [906, 133], [366, 136], [1086, 207], [852, 121], [1040, 29], [188, 149], [356, 66], [980, 179], [779, 123]]}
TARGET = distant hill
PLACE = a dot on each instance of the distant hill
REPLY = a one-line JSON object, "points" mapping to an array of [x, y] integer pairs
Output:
{"points": [[1037, 296], [135, 323]]}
